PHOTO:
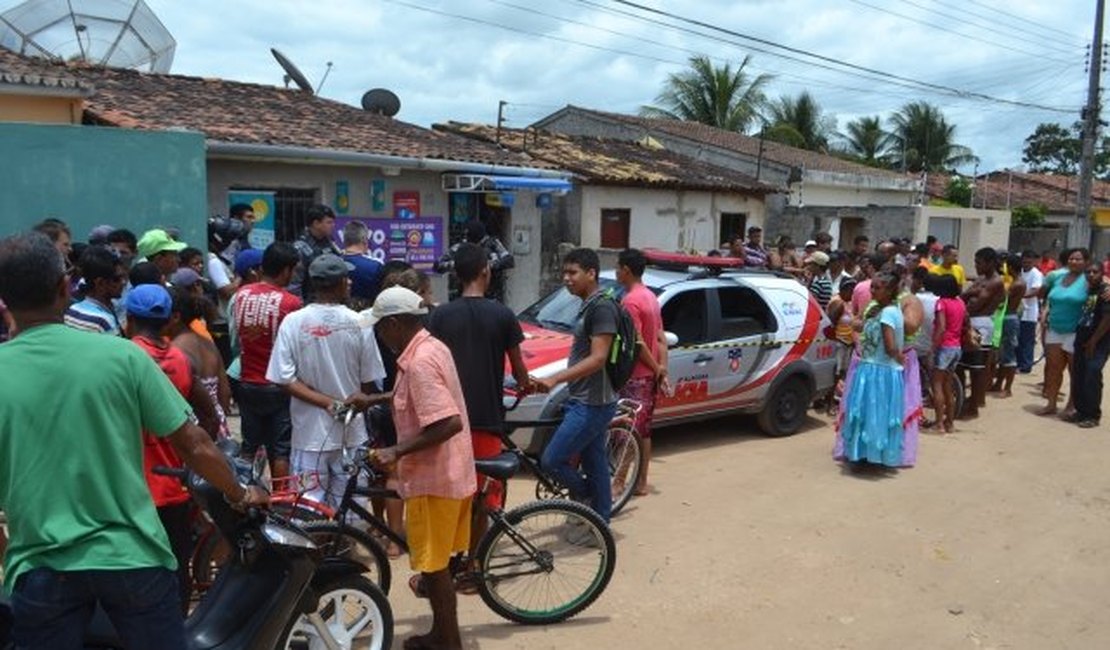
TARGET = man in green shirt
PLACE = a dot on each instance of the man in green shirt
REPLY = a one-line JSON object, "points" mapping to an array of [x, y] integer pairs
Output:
{"points": [[84, 530]]}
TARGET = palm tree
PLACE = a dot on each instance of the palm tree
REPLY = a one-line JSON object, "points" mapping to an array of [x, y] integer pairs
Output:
{"points": [[797, 121], [921, 139], [865, 140], [721, 97]]}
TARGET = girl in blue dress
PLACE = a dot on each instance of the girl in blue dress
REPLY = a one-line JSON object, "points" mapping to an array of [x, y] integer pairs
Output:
{"points": [[872, 427]]}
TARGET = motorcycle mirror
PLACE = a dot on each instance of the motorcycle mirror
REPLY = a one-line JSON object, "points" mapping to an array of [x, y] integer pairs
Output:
{"points": [[260, 470]]}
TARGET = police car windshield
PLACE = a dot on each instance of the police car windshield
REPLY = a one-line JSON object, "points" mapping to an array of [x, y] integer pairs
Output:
{"points": [[558, 310]]}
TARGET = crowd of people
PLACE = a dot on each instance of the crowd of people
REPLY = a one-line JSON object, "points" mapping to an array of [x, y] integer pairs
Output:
{"points": [[294, 336], [291, 337], [907, 319]]}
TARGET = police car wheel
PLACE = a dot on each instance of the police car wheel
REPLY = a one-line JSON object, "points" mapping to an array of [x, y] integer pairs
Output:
{"points": [[785, 412]]}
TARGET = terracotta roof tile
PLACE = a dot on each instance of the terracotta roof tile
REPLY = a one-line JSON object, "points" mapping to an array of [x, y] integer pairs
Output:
{"points": [[25, 71], [237, 112], [614, 162], [743, 144], [1002, 190]]}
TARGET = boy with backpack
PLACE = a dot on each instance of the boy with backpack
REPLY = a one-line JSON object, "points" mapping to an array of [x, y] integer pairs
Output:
{"points": [[592, 401]]}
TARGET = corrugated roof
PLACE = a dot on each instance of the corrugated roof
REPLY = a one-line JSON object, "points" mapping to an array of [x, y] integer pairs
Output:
{"points": [[614, 162]]}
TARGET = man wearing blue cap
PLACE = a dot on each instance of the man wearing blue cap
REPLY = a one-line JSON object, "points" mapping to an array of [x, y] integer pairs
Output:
{"points": [[84, 530]]}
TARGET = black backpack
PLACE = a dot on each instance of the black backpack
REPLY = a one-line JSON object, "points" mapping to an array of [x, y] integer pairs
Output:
{"points": [[622, 351]]}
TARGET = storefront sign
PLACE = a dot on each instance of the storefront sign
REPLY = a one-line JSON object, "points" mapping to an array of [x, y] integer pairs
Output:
{"points": [[418, 241], [262, 203], [406, 205]]}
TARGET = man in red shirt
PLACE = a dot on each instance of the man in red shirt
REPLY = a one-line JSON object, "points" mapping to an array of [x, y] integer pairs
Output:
{"points": [[1048, 263], [649, 375], [260, 308], [149, 308]]}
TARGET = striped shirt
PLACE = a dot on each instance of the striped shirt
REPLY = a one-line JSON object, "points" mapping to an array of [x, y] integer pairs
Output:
{"points": [[90, 315]]}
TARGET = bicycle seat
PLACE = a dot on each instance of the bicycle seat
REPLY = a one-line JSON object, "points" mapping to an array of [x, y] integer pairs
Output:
{"points": [[501, 467]]}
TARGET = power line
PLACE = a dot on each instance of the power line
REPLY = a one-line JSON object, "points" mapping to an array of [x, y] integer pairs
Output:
{"points": [[943, 89], [1042, 35], [950, 31], [1019, 18]]}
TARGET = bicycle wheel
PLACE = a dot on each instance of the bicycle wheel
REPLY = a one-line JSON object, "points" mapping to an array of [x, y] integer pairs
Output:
{"points": [[545, 561], [210, 553], [355, 613], [958, 395], [300, 511], [354, 544], [626, 448]]}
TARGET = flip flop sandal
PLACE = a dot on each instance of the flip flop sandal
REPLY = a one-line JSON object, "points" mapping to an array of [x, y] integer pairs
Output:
{"points": [[416, 584], [467, 583]]}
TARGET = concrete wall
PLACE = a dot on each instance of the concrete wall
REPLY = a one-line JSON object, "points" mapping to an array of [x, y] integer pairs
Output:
{"points": [[979, 229], [666, 219], [88, 176], [40, 109], [1036, 239], [523, 280], [802, 223]]}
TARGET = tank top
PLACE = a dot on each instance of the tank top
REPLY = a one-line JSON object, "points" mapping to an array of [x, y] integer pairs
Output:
{"points": [[166, 490], [997, 318], [212, 385]]}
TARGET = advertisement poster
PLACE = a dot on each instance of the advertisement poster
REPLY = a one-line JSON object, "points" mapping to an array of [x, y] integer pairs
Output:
{"points": [[342, 197], [262, 202], [377, 195], [418, 241], [406, 205]]}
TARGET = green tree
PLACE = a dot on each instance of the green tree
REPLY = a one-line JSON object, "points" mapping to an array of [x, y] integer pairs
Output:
{"points": [[1052, 148], [958, 191], [865, 140], [797, 121], [921, 139], [1028, 216], [723, 97]]}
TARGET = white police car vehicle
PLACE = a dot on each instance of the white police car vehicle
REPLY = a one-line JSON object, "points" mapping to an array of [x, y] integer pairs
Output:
{"points": [[742, 341]]}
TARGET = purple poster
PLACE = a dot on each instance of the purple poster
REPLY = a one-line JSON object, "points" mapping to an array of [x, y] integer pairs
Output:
{"points": [[417, 241]]}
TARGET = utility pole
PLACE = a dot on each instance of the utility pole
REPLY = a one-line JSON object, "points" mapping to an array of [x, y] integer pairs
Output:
{"points": [[501, 117], [1090, 128]]}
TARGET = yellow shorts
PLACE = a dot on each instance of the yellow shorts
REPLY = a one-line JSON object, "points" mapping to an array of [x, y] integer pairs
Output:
{"points": [[436, 528]]}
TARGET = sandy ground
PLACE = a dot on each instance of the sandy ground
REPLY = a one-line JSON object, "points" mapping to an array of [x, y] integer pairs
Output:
{"points": [[997, 539]]}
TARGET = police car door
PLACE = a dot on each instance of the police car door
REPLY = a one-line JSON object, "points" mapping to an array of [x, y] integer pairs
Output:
{"points": [[743, 333], [686, 316]]}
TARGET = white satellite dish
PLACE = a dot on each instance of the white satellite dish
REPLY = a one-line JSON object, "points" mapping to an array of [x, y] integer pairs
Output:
{"points": [[116, 33]]}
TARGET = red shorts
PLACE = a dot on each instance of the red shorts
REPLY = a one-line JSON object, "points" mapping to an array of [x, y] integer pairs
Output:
{"points": [[643, 390], [488, 445]]}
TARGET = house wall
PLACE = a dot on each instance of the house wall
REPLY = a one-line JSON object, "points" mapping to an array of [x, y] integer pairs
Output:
{"points": [[666, 219], [802, 223], [40, 109], [807, 193], [979, 228], [523, 280], [88, 176]]}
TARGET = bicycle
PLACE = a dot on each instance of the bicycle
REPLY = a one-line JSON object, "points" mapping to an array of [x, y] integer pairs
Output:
{"points": [[538, 563], [956, 393]]}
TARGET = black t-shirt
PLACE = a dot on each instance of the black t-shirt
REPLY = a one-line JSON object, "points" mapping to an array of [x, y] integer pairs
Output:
{"points": [[479, 332]]}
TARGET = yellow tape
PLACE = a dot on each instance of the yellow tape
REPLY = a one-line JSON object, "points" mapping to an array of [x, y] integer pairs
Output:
{"points": [[704, 346]]}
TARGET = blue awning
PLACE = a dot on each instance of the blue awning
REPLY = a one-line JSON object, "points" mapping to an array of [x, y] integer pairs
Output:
{"points": [[530, 183]]}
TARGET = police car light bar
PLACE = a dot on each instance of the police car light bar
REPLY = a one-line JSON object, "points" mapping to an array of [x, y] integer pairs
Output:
{"points": [[662, 258]]}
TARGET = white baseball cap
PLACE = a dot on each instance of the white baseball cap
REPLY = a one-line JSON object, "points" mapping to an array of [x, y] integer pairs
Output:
{"points": [[810, 243], [394, 301]]}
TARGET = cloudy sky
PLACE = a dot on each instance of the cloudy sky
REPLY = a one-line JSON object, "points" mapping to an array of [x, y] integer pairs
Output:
{"points": [[454, 59]]}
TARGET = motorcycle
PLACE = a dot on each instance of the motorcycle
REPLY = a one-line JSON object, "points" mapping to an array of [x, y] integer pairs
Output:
{"points": [[276, 591]]}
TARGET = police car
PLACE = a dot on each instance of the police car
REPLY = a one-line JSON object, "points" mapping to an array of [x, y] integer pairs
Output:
{"points": [[740, 341]]}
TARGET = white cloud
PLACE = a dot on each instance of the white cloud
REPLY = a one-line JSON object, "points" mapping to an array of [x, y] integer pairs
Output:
{"points": [[444, 67]]}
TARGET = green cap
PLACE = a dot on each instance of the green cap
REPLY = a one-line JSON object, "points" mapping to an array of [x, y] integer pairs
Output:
{"points": [[157, 241]]}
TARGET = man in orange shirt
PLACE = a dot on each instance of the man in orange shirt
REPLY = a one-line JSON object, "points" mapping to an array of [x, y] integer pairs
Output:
{"points": [[435, 460]]}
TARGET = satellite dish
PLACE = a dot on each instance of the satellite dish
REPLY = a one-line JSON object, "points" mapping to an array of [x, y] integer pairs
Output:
{"points": [[381, 102], [292, 73], [116, 33]]}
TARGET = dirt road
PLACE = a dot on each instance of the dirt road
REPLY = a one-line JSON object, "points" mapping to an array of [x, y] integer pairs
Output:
{"points": [[999, 538]]}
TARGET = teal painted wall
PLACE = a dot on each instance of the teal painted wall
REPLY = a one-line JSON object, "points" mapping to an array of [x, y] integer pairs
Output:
{"points": [[87, 176]]}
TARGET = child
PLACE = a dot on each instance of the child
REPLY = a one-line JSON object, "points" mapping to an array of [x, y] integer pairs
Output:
{"points": [[948, 326], [840, 313]]}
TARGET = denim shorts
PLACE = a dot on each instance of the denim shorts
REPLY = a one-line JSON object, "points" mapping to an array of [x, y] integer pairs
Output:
{"points": [[946, 358], [1008, 354]]}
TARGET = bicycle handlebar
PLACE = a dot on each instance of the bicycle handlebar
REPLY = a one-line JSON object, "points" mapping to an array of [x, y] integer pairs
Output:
{"points": [[176, 472]]}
